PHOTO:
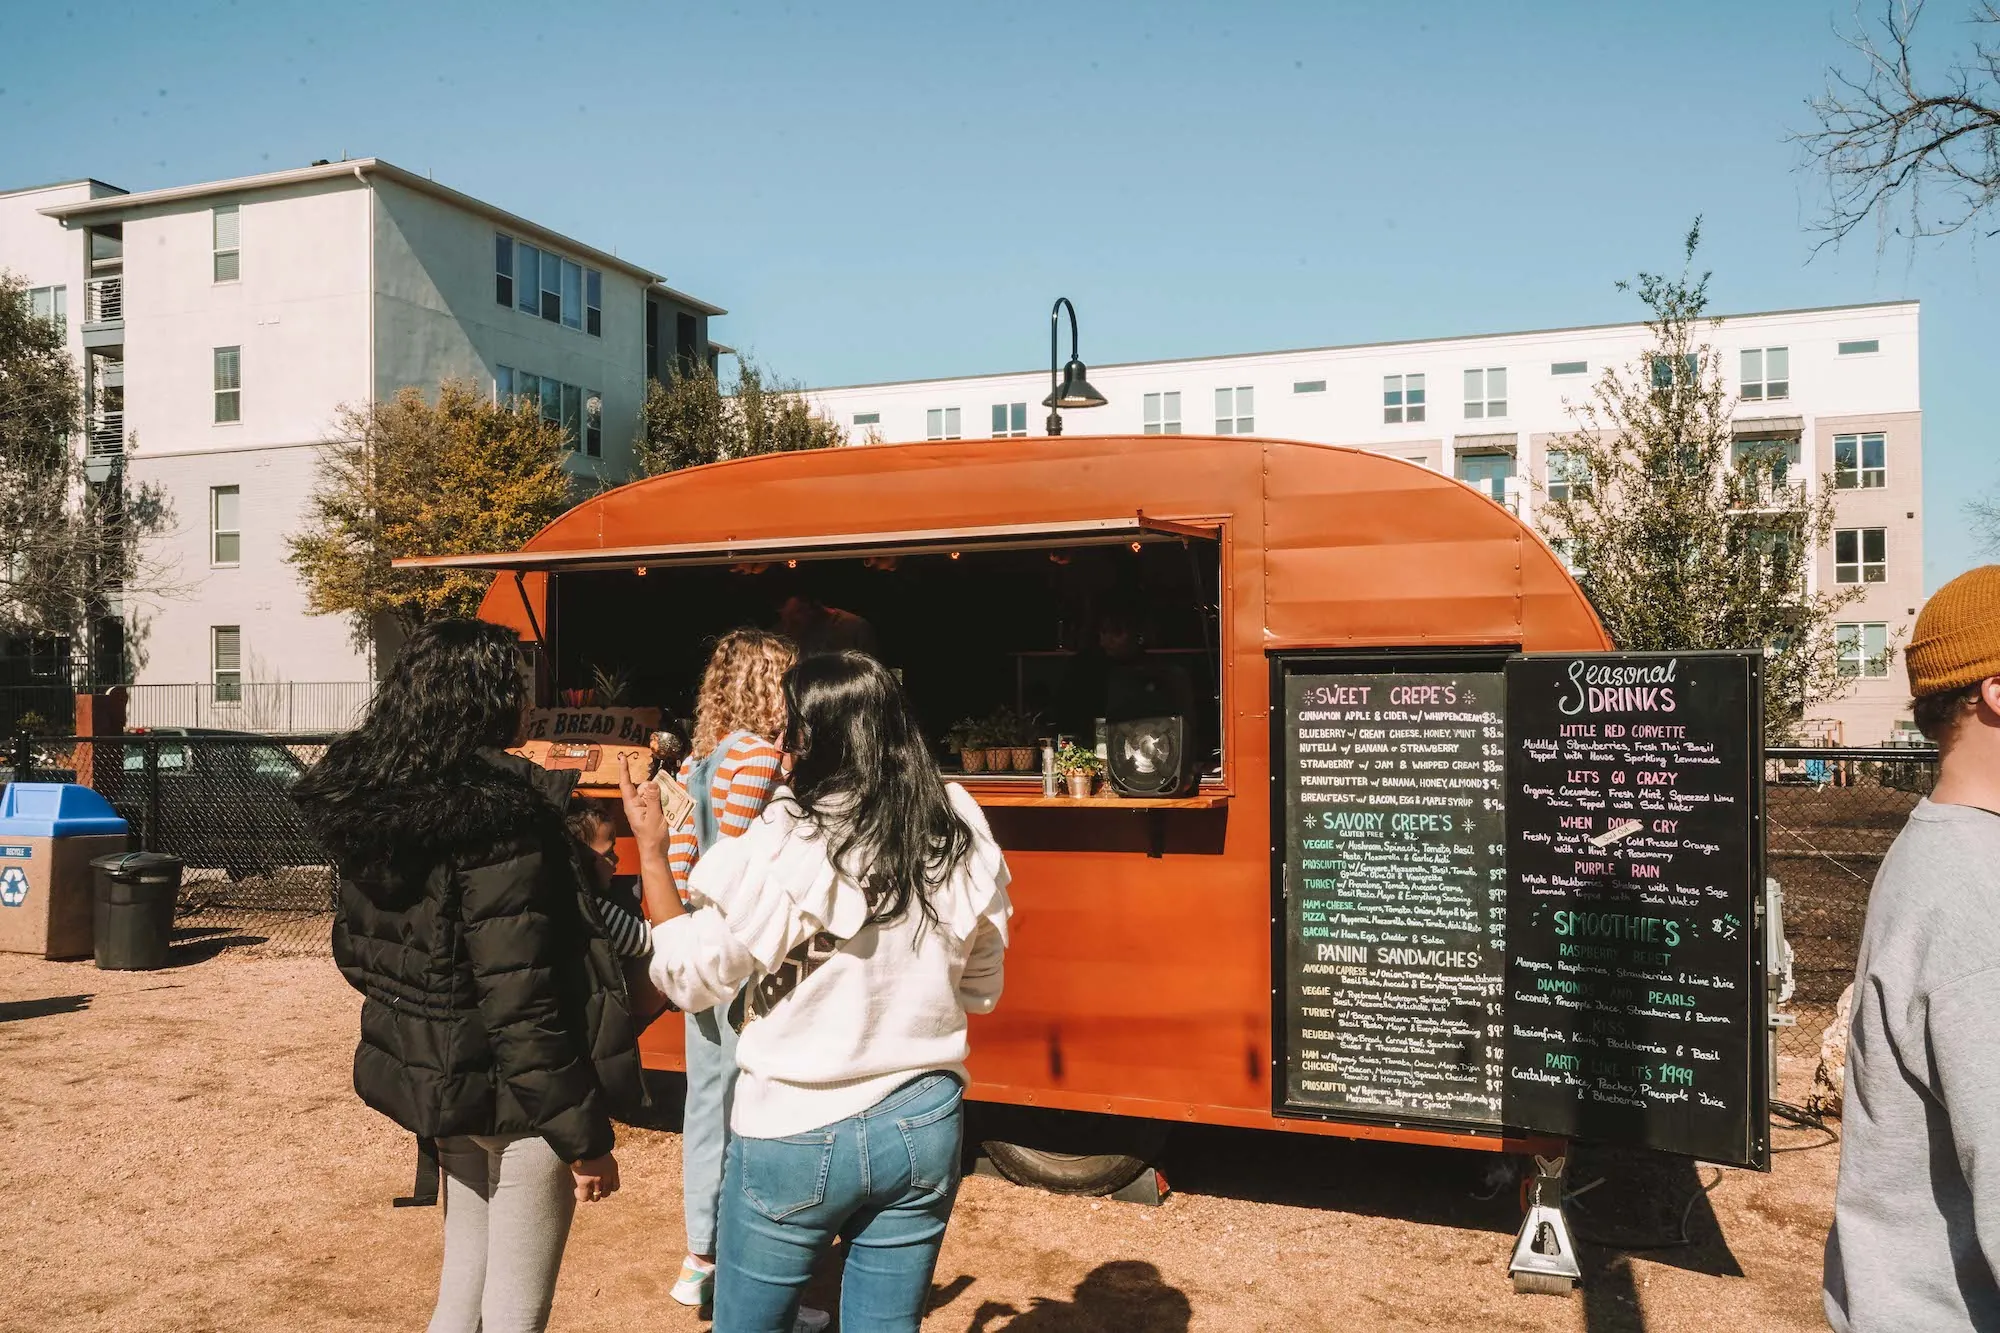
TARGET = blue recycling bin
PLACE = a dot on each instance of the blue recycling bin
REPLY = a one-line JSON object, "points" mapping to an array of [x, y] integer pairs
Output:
{"points": [[50, 832]]}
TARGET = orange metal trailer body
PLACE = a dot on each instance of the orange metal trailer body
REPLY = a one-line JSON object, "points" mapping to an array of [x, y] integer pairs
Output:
{"points": [[1140, 984]]}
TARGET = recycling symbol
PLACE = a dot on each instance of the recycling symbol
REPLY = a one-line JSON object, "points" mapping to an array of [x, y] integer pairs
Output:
{"points": [[13, 886]]}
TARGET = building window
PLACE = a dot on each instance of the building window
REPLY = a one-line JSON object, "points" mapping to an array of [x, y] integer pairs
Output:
{"points": [[1570, 368], [527, 278], [1487, 472], [551, 307], [226, 662], [1860, 555], [1767, 374], [1861, 347], [1163, 413], [1485, 393], [867, 418], [593, 303], [1402, 398], [226, 222], [1663, 369], [1309, 386], [572, 414], [593, 424], [50, 303], [1859, 462], [228, 385], [941, 423], [1010, 420], [503, 269], [572, 295], [1235, 411], [1863, 649], [1567, 477], [225, 541]]}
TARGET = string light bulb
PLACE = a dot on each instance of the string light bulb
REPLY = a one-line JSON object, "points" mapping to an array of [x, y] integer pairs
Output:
{"points": [[640, 571]]}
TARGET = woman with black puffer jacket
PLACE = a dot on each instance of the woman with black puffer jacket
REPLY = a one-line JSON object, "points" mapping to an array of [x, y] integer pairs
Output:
{"points": [[495, 1021]]}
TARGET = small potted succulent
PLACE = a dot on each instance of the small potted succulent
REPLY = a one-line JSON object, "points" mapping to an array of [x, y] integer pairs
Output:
{"points": [[1080, 768]]}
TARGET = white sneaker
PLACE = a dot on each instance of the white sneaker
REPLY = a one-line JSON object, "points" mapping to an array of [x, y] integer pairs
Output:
{"points": [[696, 1284], [810, 1320]]}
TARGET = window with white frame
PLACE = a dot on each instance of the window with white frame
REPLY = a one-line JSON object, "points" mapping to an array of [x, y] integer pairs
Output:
{"points": [[225, 525], [867, 418], [1860, 555], [1235, 411], [1010, 421], [1162, 413], [1486, 393], [941, 423], [226, 662], [1861, 347], [542, 283], [1569, 368], [1308, 386], [1487, 473], [1663, 369], [228, 385], [1862, 649], [1402, 398], [225, 225], [1860, 462], [1767, 374], [1566, 474], [593, 423], [576, 411], [50, 303]]}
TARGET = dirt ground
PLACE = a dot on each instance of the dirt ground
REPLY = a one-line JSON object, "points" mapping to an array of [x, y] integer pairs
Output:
{"points": [[181, 1150]]}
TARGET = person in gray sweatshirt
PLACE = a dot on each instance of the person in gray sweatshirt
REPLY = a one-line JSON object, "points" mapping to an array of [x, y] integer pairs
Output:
{"points": [[1915, 1244]]}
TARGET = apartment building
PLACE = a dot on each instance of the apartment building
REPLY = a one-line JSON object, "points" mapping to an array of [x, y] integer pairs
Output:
{"points": [[222, 326], [1830, 395]]}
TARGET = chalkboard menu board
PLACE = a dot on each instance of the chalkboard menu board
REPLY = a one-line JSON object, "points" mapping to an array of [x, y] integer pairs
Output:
{"points": [[1634, 986], [1390, 777]]}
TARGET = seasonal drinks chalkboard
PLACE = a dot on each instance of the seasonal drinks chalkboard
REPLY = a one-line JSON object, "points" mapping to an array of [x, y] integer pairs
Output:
{"points": [[1390, 777], [1634, 992]]}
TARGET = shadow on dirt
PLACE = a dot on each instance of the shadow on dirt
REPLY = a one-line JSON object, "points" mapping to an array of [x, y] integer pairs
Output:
{"points": [[12, 1011], [198, 944]]}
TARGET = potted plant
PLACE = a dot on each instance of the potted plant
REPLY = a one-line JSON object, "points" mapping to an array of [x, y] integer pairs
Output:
{"points": [[1079, 768], [1017, 732], [965, 739]]}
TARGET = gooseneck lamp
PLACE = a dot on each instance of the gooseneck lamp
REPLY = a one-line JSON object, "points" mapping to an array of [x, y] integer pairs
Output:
{"points": [[1072, 389]]}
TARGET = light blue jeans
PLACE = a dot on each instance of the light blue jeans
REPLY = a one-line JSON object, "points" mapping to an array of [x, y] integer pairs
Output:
{"points": [[711, 1091], [884, 1181]]}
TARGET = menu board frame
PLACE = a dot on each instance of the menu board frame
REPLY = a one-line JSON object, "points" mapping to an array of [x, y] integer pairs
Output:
{"points": [[1486, 659], [1749, 1132], [1495, 660]]}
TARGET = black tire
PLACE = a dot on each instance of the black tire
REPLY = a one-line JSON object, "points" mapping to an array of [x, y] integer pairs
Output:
{"points": [[1063, 1172]]}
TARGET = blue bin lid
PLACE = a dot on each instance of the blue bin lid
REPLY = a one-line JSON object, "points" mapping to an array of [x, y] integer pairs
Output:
{"points": [[55, 810]]}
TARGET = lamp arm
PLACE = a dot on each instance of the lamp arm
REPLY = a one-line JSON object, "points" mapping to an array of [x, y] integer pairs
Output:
{"points": [[1055, 389]]}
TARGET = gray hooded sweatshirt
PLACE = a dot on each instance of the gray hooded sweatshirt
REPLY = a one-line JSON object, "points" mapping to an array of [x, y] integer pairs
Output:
{"points": [[1916, 1231]]}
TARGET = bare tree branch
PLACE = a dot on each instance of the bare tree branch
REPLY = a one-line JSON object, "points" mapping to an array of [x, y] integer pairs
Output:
{"points": [[1918, 153]]}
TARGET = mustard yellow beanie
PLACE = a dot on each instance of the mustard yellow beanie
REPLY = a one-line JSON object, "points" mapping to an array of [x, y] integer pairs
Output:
{"points": [[1957, 639]]}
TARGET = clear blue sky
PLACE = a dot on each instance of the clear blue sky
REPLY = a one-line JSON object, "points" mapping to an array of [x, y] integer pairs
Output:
{"points": [[890, 191]]}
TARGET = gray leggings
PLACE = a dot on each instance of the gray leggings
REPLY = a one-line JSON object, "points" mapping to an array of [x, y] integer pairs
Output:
{"points": [[508, 1200]]}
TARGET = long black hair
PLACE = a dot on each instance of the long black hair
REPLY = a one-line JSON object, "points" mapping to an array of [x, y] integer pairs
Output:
{"points": [[457, 687], [862, 774]]}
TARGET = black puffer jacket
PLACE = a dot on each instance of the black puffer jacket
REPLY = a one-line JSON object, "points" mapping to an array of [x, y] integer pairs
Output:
{"points": [[494, 1004]]}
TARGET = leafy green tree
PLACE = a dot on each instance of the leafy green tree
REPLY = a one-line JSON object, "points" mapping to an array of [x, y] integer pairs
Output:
{"points": [[68, 546], [688, 420], [459, 476], [1682, 539]]}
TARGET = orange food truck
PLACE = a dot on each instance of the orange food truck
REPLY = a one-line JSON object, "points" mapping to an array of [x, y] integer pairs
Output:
{"points": [[1312, 604]]}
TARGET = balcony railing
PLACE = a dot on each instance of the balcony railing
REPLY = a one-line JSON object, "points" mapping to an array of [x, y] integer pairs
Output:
{"points": [[1766, 493], [106, 303], [107, 434]]}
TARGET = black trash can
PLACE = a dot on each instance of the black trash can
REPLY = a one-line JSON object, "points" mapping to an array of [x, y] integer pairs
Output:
{"points": [[134, 913]]}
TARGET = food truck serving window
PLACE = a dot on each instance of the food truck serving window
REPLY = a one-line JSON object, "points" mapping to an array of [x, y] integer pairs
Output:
{"points": [[1003, 636]]}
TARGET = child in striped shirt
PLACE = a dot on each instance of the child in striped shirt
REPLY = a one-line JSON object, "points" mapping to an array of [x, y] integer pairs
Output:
{"points": [[629, 935]]}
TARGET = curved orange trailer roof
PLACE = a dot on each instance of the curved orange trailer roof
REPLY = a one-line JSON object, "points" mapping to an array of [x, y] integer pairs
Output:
{"points": [[1140, 984]]}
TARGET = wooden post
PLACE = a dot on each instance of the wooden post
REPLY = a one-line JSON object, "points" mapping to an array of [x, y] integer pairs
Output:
{"points": [[97, 715]]}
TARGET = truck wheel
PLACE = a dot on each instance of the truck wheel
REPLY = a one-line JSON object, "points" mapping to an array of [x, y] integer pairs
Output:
{"points": [[1080, 1173]]}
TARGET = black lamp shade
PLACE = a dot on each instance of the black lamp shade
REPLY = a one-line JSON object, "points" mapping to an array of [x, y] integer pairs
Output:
{"points": [[1076, 390]]}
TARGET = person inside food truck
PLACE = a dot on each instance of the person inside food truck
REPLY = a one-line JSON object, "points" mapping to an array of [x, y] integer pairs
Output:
{"points": [[1121, 680], [818, 628]]}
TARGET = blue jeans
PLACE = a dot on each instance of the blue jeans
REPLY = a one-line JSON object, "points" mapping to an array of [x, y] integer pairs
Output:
{"points": [[883, 1181], [711, 1089]]}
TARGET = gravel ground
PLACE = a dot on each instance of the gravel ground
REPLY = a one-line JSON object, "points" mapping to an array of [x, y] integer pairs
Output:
{"points": [[181, 1150]]}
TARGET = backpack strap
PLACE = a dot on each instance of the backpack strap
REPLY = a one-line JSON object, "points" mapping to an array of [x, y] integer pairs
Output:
{"points": [[424, 1194]]}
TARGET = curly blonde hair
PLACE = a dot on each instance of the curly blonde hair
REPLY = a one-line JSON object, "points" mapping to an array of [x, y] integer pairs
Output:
{"points": [[742, 688]]}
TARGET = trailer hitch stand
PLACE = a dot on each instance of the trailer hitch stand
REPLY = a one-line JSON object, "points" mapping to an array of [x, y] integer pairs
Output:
{"points": [[1544, 1259]]}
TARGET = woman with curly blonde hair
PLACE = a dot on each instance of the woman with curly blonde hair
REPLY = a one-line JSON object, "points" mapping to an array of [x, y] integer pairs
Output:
{"points": [[731, 769]]}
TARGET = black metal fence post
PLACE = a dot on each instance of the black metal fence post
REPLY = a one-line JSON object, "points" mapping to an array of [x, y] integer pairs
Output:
{"points": [[150, 825]]}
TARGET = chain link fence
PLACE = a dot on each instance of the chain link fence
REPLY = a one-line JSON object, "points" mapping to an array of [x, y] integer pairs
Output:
{"points": [[1831, 815], [219, 801]]}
